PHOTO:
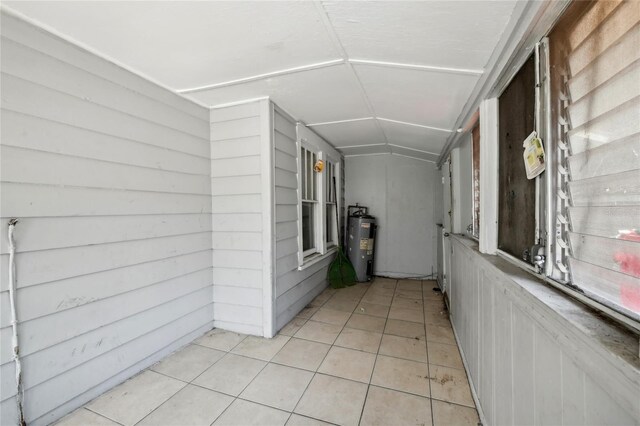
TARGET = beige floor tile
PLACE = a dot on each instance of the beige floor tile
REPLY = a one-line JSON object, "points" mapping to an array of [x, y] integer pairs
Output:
{"points": [[278, 386], [84, 417], [188, 363], [440, 334], [451, 385], [404, 347], [434, 305], [372, 309], [193, 405], [246, 413], [380, 291], [308, 312], [298, 420], [319, 332], [411, 285], [331, 316], [261, 348], [333, 400], [220, 339], [404, 328], [361, 340], [441, 318], [402, 375], [131, 401], [445, 414], [292, 326], [346, 305], [353, 292], [377, 299], [321, 299], [366, 322], [413, 315], [348, 364], [389, 407], [404, 303], [231, 374], [409, 294], [385, 282], [445, 355], [301, 353]]}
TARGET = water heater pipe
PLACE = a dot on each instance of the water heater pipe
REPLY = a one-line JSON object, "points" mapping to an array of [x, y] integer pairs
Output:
{"points": [[14, 320]]}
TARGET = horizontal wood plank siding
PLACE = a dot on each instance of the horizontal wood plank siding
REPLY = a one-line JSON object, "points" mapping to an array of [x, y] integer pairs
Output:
{"points": [[294, 289], [109, 175], [237, 219]]}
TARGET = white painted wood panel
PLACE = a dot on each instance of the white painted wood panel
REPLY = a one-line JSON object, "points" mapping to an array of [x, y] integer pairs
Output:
{"points": [[534, 355], [109, 176], [237, 168]]}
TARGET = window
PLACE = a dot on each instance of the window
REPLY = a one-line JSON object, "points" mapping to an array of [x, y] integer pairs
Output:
{"points": [[516, 194], [318, 232], [580, 90], [331, 205], [309, 191], [595, 117]]}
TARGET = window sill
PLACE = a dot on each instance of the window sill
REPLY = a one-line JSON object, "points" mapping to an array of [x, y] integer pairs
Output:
{"points": [[316, 258]]}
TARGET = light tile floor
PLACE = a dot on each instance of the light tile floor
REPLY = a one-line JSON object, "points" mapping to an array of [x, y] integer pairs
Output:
{"points": [[381, 353]]}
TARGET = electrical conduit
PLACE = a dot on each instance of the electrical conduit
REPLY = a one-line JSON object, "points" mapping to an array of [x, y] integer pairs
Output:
{"points": [[14, 320]]}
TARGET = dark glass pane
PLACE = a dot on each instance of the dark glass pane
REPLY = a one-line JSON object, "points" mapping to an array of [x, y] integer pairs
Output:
{"points": [[308, 235]]}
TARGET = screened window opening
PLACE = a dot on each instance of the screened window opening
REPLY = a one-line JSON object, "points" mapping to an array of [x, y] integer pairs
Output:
{"points": [[516, 194]]}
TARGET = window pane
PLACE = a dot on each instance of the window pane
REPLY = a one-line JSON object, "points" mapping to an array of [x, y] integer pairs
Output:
{"points": [[303, 173], [308, 234], [331, 218], [476, 180], [517, 194]]}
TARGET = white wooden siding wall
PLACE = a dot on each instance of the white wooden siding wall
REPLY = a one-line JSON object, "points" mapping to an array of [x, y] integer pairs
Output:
{"points": [[109, 176], [294, 288], [237, 139], [527, 364]]}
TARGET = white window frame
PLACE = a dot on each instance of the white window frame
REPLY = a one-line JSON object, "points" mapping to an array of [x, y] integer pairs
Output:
{"points": [[321, 249]]}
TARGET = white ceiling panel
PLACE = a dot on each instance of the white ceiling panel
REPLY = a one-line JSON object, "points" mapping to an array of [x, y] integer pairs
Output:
{"points": [[440, 33], [352, 133], [366, 150], [422, 97], [415, 137], [415, 154], [191, 43], [319, 95]]}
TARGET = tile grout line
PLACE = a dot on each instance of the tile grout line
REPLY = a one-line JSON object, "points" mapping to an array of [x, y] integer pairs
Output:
{"points": [[426, 342], [366, 396], [315, 373]]}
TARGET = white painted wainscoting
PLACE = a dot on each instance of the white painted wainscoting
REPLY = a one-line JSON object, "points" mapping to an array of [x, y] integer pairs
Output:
{"points": [[109, 177], [535, 356]]}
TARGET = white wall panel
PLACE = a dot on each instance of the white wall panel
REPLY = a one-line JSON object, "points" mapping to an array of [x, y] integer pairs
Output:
{"points": [[109, 177], [534, 355], [237, 170], [399, 192]]}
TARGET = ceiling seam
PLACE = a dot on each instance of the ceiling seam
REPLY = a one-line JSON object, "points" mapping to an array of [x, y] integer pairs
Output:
{"points": [[335, 39]]}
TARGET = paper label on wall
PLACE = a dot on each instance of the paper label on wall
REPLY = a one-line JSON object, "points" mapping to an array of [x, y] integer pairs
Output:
{"points": [[533, 155], [364, 244]]}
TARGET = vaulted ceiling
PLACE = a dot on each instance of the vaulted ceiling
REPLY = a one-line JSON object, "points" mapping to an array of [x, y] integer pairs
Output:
{"points": [[370, 77]]}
